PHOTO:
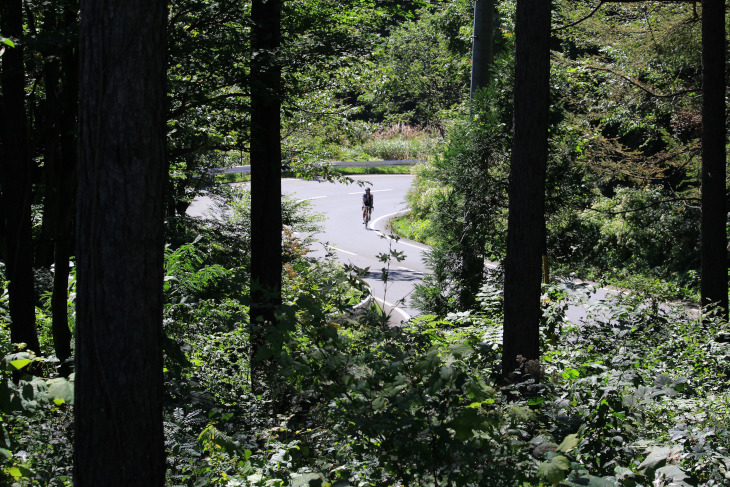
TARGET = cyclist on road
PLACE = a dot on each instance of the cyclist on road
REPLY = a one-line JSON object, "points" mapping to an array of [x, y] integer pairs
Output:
{"points": [[367, 203]]}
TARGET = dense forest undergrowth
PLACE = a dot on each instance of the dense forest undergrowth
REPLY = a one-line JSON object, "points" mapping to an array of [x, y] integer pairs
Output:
{"points": [[635, 395]]}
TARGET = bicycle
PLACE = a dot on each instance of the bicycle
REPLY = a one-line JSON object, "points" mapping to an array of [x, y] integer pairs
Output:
{"points": [[367, 215]]}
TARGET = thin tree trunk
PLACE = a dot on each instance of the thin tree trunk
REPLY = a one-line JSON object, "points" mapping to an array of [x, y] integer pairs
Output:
{"points": [[527, 184], [119, 439], [714, 287], [15, 171], [64, 232], [482, 56], [266, 222], [472, 241], [50, 135]]}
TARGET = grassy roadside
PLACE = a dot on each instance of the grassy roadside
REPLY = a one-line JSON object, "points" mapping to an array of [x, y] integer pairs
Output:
{"points": [[233, 178], [416, 230], [345, 171], [667, 290], [348, 171]]}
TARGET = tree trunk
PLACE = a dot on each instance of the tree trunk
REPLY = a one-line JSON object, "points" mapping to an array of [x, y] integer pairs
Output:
{"points": [[118, 411], [482, 56], [15, 174], [527, 184], [50, 135], [472, 241], [714, 287], [266, 223], [64, 231]]}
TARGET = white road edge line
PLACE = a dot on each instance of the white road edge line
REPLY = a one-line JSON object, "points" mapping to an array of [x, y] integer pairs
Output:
{"points": [[373, 191], [340, 250], [372, 224], [405, 315], [312, 198]]}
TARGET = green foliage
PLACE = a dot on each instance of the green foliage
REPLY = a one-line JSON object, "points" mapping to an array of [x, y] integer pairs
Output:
{"points": [[409, 228], [634, 233], [35, 416], [465, 201], [635, 394], [420, 74]]}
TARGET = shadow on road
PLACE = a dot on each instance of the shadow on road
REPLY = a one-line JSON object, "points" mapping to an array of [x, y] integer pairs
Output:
{"points": [[397, 275]]}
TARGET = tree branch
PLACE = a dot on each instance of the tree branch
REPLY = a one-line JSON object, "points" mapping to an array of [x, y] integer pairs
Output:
{"points": [[602, 2], [591, 14], [622, 212], [640, 85], [205, 101]]}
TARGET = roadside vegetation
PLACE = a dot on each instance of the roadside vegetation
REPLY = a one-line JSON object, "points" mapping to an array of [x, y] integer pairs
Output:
{"points": [[636, 395]]}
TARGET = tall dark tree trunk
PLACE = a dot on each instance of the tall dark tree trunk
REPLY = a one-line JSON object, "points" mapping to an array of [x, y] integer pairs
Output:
{"points": [[266, 223], [473, 241], [714, 286], [59, 162], [67, 176], [50, 135], [15, 179], [118, 411], [527, 184], [482, 56]]}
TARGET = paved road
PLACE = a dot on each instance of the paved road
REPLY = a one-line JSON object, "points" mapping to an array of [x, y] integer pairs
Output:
{"points": [[353, 242]]}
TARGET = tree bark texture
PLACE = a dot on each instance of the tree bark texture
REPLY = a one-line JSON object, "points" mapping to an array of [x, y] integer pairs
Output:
{"points": [[15, 180], [59, 129], [714, 287], [482, 56], [64, 233], [472, 238], [527, 183], [266, 220], [118, 411]]}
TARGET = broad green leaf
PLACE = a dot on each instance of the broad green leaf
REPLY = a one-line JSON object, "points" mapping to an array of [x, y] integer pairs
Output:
{"points": [[255, 478], [466, 422], [430, 361], [674, 474], [14, 472], [536, 401], [8, 42], [461, 350], [379, 403], [624, 473], [570, 374], [307, 479], [554, 470], [591, 481], [61, 389], [19, 364], [570, 442], [656, 456], [6, 453]]}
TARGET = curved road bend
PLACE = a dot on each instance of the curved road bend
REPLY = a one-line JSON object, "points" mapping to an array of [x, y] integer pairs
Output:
{"points": [[352, 242], [344, 234]]}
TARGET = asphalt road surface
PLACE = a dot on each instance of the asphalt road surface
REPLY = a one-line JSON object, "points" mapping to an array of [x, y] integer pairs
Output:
{"points": [[353, 242]]}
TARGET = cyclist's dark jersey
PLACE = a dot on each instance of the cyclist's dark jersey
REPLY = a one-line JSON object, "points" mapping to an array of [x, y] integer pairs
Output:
{"points": [[367, 199]]}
